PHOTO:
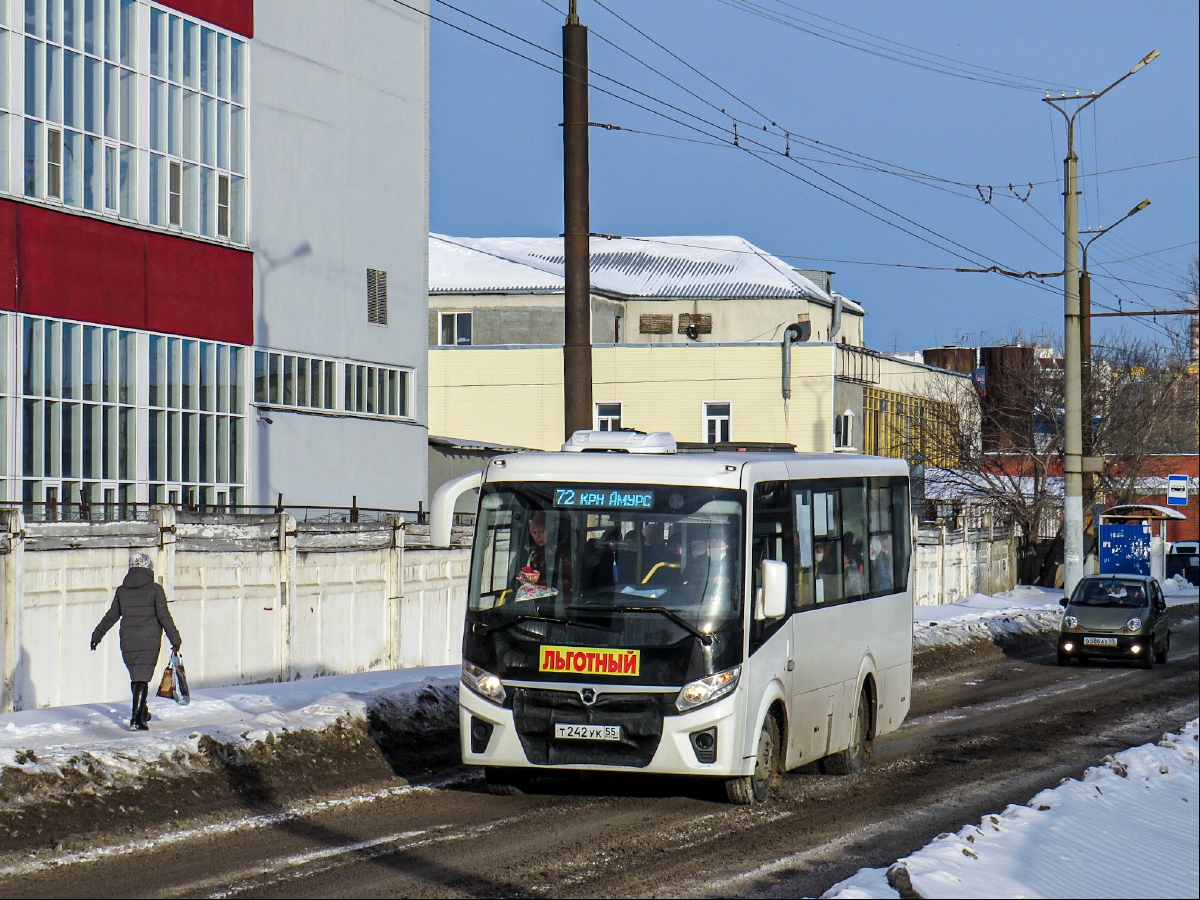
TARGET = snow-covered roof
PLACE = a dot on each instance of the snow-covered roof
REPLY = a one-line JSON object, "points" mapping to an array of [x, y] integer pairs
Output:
{"points": [[457, 267], [664, 268]]}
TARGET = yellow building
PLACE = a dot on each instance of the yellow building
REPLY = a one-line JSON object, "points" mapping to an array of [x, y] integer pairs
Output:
{"points": [[840, 397]]}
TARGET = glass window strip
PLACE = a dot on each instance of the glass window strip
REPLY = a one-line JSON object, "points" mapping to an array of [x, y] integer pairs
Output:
{"points": [[82, 63]]}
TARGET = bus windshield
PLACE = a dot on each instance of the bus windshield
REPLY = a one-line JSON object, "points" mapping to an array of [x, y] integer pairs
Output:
{"points": [[626, 566]]}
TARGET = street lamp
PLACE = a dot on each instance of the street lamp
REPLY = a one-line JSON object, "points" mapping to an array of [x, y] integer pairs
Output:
{"points": [[1073, 436]]}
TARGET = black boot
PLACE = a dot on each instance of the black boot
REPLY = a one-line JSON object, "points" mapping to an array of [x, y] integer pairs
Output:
{"points": [[145, 702], [136, 723]]}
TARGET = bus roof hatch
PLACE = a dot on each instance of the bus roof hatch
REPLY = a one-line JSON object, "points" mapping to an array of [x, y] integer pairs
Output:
{"points": [[620, 442]]}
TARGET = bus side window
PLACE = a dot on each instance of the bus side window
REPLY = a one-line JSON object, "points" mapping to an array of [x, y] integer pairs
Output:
{"points": [[879, 551], [827, 547], [772, 539], [803, 558], [901, 541]]}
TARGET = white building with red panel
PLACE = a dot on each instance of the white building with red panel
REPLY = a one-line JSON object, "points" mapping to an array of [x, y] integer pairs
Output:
{"points": [[213, 229]]}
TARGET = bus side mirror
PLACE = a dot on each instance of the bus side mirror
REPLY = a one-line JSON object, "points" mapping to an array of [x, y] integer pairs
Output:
{"points": [[771, 602]]}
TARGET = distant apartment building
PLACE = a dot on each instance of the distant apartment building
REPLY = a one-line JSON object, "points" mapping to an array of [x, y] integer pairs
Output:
{"points": [[215, 216]]}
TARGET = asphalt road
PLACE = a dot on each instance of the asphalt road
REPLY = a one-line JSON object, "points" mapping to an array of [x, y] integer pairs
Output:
{"points": [[982, 734]]}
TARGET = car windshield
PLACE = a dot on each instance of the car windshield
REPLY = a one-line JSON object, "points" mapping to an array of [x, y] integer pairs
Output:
{"points": [[631, 564], [1110, 592]]}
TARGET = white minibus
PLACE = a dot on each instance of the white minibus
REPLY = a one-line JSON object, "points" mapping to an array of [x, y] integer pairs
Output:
{"points": [[634, 608]]}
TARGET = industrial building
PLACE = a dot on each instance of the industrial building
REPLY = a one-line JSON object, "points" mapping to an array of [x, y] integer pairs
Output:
{"points": [[215, 217]]}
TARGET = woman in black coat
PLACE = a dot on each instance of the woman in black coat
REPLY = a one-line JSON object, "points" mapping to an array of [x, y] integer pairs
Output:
{"points": [[141, 605]]}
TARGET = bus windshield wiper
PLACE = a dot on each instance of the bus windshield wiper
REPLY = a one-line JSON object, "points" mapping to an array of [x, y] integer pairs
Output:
{"points": [[705, 637], [553, 620]]}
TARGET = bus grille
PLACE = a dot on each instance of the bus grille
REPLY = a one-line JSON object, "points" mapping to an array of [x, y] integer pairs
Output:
{"points": [[640, 716]]}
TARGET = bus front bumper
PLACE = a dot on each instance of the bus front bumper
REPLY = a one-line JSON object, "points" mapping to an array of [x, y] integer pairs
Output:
{"points": [[489, 736]]}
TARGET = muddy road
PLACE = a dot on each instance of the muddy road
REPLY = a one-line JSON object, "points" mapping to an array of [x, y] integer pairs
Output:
{"points": [[984, 731]]}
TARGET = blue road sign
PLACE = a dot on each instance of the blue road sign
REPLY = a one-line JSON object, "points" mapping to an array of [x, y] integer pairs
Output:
{"points": [[1177, 490]]}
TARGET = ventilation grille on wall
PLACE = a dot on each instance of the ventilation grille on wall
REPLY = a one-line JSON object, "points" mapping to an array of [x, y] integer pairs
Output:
{"points": [[702, 322], [377, 297], [655, 323]]}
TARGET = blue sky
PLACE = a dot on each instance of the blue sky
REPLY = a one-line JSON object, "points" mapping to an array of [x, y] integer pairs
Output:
{"points": [[496, 148]]}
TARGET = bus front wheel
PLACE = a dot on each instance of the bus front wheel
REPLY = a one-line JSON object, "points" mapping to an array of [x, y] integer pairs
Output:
{"points": [[754, 788], [851, 760]]}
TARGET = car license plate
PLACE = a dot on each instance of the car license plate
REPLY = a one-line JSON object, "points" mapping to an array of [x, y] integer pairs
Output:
{"points": [[1099, 642], [587, 732]]}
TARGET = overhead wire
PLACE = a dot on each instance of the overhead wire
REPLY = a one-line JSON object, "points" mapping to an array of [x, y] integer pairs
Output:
{"points": [[759, 155], [900, 44], [901, 57]]}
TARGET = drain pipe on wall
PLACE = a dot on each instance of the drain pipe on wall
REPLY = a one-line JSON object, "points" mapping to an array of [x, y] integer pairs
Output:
{"points": [[797, 332]]}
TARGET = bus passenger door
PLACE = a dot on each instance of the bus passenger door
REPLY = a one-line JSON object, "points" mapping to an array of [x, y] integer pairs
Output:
{"points": [[770, 639]]}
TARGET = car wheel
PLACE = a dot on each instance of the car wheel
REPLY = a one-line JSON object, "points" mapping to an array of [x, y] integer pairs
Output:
{"points": [[851, 760], [1161, 656], [754, 788], [1148, 661], [506, 782], [1064, 658]]}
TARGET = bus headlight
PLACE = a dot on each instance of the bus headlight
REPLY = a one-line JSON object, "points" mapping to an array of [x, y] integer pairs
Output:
{"points": [[706, 690], [483, 682]]}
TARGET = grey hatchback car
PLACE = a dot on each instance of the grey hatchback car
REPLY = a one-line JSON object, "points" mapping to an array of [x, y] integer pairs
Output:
{"points": [[1115, 617]]}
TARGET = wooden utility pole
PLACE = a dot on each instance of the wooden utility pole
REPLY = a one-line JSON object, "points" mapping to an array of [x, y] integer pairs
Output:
{"points": [[577, 347]]}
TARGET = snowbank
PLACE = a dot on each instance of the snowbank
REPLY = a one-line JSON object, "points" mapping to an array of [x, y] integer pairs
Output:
{"points": [[1023, 610], [1138, 809], [92, 742]]}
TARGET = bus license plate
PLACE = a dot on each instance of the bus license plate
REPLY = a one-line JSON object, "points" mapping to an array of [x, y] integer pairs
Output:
{"points": [[587, 732], [1100, 642]]}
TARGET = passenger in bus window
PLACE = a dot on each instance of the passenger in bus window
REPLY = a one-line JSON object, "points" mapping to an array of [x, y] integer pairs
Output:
{"points": [[537, 543], [881, 562], [854, 582]]}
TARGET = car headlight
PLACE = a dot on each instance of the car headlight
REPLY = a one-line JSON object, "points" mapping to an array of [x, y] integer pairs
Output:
{"points": [[483, 683], [1134, 624], [706, 690], [1070, 621]]}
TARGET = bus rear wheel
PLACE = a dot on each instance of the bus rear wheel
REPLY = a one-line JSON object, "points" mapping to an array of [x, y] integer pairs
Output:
{"points": [[851, 760], [754, 788], [505, 782]]}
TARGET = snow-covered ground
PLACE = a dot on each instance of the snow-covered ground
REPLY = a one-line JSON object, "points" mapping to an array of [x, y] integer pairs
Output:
{"points": [[1129, 828], [95, 738]]}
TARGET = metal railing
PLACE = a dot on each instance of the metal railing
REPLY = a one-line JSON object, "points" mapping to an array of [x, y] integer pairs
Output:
{"points": [[85, 511]]}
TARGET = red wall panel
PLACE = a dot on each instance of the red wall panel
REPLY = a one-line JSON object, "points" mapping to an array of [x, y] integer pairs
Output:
{"points": [[75, 267], [234, 15]]}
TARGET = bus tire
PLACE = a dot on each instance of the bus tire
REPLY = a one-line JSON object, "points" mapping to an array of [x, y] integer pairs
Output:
{"points": [[851, 760], [754, 788], [505, 782]]}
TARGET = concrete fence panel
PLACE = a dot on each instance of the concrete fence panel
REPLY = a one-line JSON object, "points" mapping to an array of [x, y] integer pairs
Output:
{"points": [[255, 598], [953, 564]]}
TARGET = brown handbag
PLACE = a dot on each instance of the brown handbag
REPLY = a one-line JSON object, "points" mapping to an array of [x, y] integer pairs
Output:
{"points": [[166, 685]]}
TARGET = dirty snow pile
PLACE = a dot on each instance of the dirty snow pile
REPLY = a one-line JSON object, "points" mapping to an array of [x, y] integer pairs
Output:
{"points": [[93, 738], [1023, 610], [1129, 828]]}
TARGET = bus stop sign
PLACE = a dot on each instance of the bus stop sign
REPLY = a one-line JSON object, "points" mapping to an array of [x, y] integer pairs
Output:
{"points": [[1177, 490]]}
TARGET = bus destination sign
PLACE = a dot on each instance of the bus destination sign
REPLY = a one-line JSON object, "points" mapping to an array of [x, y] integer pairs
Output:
{"points": [[589, 497]]}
